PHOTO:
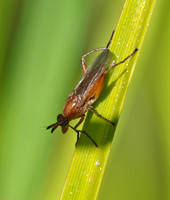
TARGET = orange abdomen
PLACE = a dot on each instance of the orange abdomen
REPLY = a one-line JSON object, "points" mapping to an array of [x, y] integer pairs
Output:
{"points": [[97, 88]]}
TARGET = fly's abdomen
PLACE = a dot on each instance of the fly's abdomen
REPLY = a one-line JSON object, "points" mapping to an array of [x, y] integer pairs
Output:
{"points": [[96, 89]]}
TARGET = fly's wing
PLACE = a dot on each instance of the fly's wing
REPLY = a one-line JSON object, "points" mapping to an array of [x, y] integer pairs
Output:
{"points": [[94, 71]]}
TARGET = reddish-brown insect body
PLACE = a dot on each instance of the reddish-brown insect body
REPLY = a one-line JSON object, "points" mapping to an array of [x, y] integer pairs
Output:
{"points": [[87, 91]]}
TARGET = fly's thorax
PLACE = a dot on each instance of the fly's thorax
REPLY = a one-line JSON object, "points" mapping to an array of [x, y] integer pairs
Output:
{"points": [[71, 110]]}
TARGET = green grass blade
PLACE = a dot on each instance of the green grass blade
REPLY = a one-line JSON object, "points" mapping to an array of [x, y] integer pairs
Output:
{"points": [[88, 163]]}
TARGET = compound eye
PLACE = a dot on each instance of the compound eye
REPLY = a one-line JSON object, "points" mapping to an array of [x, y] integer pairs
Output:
{"points": [[62, 121], [60, 118]]}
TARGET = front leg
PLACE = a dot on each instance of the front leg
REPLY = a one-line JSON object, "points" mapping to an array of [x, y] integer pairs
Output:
{"points": [[80, 121], [78, 137], [84, 132]]}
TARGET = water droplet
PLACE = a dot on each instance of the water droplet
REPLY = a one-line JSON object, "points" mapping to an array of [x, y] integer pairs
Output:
{"points": [[97, 163]]}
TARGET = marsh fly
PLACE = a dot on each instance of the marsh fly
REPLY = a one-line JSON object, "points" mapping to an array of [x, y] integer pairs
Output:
{"points": [[87, 91]]}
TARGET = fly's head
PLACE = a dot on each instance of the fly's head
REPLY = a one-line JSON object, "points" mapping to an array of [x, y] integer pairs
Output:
{"points": [[61, 121]]}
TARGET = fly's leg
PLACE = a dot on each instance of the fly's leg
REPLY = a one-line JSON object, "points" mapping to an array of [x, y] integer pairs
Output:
{"points": [[96, 113], [83, 63], [114, 65], [110, 39], [80, 121], [78, 137], [84, 132]]}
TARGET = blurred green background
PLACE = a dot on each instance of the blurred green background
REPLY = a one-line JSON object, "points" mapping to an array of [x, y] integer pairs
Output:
{"points": [[41, 43]]}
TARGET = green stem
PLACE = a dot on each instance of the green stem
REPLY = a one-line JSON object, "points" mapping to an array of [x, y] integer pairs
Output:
{"points": [[88, 163]]}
